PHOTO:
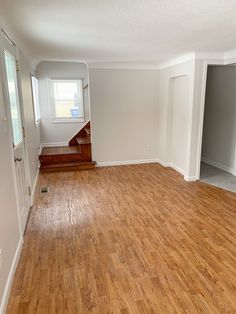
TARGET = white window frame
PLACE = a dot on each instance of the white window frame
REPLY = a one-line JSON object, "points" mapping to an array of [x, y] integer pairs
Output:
{"points": [[54, 118], [35, 99]]}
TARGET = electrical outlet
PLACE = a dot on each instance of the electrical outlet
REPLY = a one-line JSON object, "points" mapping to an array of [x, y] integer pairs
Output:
{"points": [[1, 259]]}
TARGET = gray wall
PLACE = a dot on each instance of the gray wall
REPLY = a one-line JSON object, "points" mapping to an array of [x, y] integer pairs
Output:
{"points": [[59, 132], [142, 115], [219, 133], [124, 114]]}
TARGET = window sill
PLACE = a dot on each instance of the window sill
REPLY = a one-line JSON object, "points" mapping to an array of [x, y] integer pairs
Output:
{"points": [[68, 120]]}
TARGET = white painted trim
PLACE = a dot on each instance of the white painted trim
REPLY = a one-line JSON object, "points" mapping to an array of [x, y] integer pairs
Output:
{"points": [[141, 65], [7, 289], [210, 55], [163, 163], [140, 161], [202, 108], [230, 54], [79, 83], [191, 83], [190, 179], [122, 66], [126, 162], [218, 165], [176, 168], [37, 62], [227, 57], [201, 121], [181, 59], [54, 144], [34, 188]]}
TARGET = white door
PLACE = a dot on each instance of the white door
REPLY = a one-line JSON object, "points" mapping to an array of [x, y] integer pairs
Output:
{"points": [[8, 56]]}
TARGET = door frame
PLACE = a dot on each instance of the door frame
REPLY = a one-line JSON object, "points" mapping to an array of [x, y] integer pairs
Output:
{"points": [[206, 63], [7, 45]]}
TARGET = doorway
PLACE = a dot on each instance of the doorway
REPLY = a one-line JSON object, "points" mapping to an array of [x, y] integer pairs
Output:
{"points": [[15, 124], [218, 159]]}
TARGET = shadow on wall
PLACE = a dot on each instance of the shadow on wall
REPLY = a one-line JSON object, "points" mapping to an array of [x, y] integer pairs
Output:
{"points": [[177, 120]]}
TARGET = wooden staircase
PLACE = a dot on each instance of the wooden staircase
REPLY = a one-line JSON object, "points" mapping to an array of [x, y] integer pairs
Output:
{"points": [[76, 156]]}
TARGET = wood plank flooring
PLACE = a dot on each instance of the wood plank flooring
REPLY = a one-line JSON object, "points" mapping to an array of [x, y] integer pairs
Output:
{"points": [[130, 239]]}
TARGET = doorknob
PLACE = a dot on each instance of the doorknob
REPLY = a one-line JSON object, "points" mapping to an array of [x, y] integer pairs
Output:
{"points": [[17, 159]]}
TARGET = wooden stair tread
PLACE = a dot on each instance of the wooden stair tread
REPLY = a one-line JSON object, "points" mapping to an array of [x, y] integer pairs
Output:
{"points": [[87, 130], [60, 150], [76, 156], [83, 140], [84, 132]]}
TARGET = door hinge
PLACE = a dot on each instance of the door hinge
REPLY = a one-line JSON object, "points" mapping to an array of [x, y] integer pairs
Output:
{"points": [[29, 190], [17, 66], [23, 131]]}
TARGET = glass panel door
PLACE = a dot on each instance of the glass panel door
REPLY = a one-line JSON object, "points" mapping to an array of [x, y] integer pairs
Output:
{"points": [[13, 98]]}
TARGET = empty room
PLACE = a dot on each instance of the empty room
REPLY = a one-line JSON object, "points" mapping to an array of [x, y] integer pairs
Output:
{"points": [[118, 156]]}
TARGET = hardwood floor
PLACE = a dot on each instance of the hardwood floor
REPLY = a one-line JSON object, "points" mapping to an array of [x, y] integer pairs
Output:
{"points": [[131, 239]]}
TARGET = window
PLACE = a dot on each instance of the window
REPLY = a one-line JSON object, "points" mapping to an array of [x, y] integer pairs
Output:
{"points": [[35, 93], [67, 101], [12, 86]]}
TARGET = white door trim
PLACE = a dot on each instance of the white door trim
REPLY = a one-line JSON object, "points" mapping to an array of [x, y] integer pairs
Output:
{"points": [[202, 108], [5, 45]]}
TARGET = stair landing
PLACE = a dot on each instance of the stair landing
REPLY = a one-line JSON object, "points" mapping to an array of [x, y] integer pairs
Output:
{"points": [[64, 158], [61, 150]]}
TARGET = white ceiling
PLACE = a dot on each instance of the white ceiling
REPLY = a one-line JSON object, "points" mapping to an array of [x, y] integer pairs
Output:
{"points": [[144, 31]]}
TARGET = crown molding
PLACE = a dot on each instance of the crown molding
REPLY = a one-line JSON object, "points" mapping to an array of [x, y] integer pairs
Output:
{"points": [[210, 55], [140, 65], [224, 58], [230, 56], [175, 61], [122, 65]]}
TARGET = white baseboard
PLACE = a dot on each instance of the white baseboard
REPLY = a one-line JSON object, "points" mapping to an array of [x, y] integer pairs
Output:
{"points": [[190, 179], [181, 171], [54, 144], [146, 161], [176, 168], [7, 289], [218, 165], [34, 188], [126, 162], [162, 163]]}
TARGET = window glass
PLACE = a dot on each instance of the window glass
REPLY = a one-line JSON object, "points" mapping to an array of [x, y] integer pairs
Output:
{"points": [[10, 63], [67, 99]]}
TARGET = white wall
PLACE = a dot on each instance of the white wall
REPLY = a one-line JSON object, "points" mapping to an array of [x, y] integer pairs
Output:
{"points": [[219, 133], [142, 115], [176, 101], [124, 115], [179, 106], [59, 132]]}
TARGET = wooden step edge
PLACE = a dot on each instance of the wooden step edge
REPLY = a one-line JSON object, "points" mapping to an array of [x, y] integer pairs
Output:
{"points": [[61, 151], [72, 166], [83, 140], [59, 156], [87, 130]]}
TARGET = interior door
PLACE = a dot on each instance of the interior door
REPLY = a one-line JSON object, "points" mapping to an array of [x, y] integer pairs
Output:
{"points": [[15, 123]]}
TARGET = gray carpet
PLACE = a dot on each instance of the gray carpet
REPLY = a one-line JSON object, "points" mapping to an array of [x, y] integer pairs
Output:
{"points": [[217, 177]]}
